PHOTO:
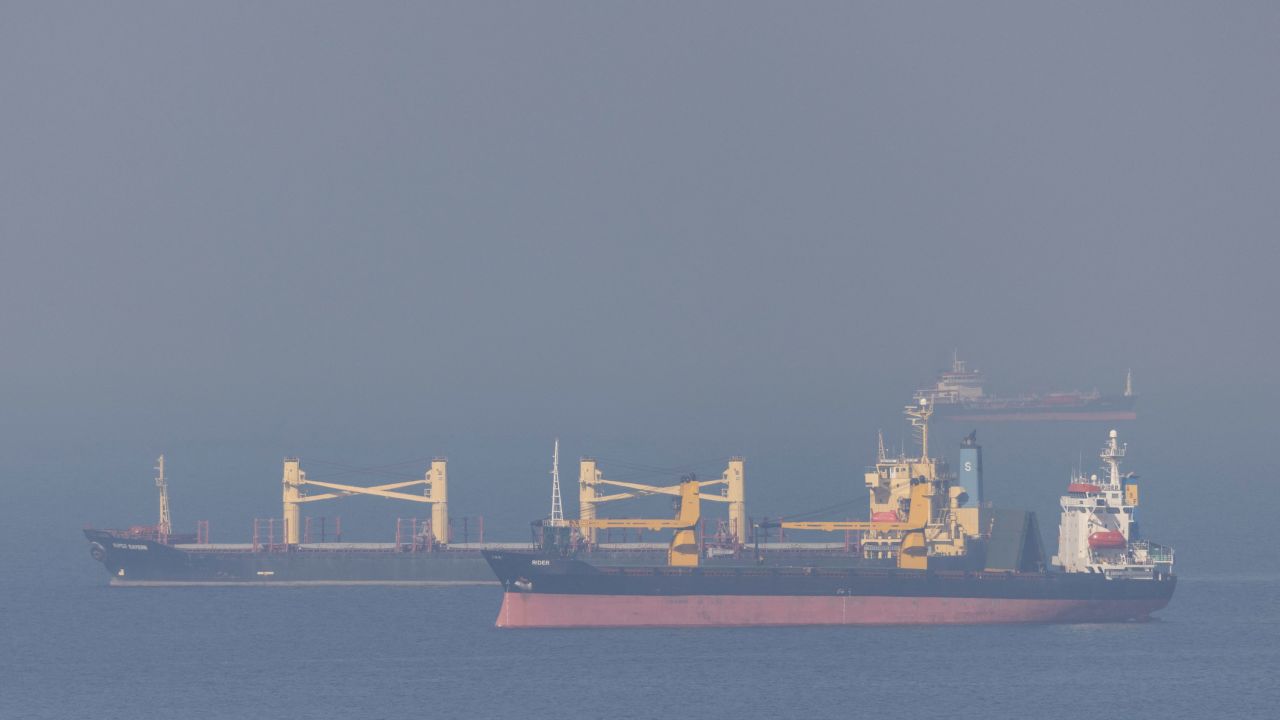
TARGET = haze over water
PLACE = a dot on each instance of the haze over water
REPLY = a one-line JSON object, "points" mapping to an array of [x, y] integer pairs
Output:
{"points": [[668, 235]]}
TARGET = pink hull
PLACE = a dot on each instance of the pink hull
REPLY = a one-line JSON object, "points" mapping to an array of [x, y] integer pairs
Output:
{"points": [[529, 610]]}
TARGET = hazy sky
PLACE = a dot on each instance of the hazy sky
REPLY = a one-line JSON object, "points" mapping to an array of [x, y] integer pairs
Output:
{"points": [[367, 232]]}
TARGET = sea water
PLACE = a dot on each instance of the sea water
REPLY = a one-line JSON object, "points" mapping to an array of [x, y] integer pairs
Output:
{"points": [[74, 647]]}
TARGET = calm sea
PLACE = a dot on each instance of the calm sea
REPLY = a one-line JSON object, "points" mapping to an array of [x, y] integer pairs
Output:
{"points": [[73, 647]]}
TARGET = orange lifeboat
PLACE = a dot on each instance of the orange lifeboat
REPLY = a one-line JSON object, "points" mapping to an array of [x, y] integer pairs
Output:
{"points": [[885, 516], [1083, 488], [1106, 539]]}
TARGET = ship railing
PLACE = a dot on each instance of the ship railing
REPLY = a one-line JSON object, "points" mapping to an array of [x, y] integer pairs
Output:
{"points": [[766, 571], [414, 535], [1155, 552], [152, 533], [466, 529], [938, 395], [317, 529], [1160, 553], [268, 534]]}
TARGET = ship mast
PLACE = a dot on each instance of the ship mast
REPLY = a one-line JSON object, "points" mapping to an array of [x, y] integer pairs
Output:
{"points": [[1112, 454], [557, 508], [919, 415], [165, 526], [1128, 383]]}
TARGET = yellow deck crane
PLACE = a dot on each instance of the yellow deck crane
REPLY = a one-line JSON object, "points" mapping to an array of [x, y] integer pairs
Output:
{"points": [[590, 480], [913, 550], [683, 551], [436, 494]]}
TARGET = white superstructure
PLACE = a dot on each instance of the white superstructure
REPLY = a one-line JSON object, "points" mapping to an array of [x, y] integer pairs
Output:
{"points": [[1098, 532], [958, 385]]}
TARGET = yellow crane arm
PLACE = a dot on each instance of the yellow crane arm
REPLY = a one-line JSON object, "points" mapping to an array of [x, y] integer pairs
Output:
{"points": [[657, 490], [630, 524], [330, 496], [913, 551], [689, 515], [378, 490], [838, 525], [616, 496], [917, 518], [683, 551]]}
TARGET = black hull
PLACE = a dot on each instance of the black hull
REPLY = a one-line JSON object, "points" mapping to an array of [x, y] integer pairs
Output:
{"points": [[569, 576], [136, 562], [143, 562], [554, 592]]}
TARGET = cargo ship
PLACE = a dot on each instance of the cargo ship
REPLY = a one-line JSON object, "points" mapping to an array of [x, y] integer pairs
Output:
{"points": [[958, 394], [432, 551], [293, 550], [928, 557]]}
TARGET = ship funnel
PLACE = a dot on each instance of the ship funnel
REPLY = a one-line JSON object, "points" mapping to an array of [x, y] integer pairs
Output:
{"points": [[971, 467]]}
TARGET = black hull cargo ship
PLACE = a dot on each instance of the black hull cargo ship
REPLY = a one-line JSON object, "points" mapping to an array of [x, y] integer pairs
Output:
{"points": [[559, 592], [933, 561], [429, 551], [140, 562], [282, 552]]}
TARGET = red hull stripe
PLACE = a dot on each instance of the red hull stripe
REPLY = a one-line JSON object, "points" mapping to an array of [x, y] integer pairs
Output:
{"points": [[1042, 416], [531, 610]]}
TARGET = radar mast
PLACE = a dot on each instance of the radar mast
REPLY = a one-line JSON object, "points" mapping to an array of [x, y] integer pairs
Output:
{"points": [[557, 508], [165, 526]]}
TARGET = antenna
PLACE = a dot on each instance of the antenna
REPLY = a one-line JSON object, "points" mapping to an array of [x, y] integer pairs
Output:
{"points": [[165, 526], [557, 508], [1112, 454], [919, 416], [880, 452]]}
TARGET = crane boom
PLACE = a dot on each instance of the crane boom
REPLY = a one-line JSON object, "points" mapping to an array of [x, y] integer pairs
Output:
{"points": [[917, 518], [838, 525], [683, 551], [591, 482], [435, 493], [688, 517], [912, 552]]}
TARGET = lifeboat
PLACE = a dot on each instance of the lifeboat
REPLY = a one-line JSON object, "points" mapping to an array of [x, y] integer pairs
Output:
{"points": [[1083, 488], [885, 516], [1106, 539]]}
